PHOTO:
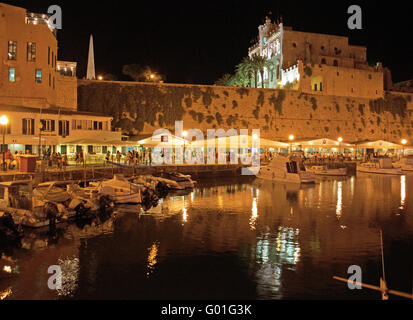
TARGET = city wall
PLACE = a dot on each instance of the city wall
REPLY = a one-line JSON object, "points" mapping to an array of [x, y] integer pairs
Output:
{"points": [[141, 108]]}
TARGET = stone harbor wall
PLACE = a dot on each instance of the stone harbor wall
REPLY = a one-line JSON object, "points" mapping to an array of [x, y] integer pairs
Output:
{"points": [[141, 108]]}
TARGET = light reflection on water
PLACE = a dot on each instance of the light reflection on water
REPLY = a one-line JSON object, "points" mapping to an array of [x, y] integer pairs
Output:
{"points": [[234, 239]]}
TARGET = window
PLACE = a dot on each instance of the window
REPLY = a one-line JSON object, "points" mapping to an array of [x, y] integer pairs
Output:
{"points": [[63, 128], [323, 61], [12, 74], [315, 87], [294, 45], [335, 63], [38, 76], [28, 126], [322, 47], [369, 76], [321, 86], [12, 55], [50, 80], [48, 55], [95, 125], [352, 89], [100, 125], [48, 125], [31, 51]]}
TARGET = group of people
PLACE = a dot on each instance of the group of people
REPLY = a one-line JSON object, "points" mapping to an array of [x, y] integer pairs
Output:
{"points": [[133, 157], [55, 159], [12, 160]]}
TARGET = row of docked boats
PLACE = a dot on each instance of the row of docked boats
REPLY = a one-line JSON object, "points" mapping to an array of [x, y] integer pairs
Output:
{"points": [[291, 168], [37, 205]]}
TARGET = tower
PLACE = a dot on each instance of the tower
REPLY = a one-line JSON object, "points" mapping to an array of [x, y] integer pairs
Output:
{"points": [[90, 74]]}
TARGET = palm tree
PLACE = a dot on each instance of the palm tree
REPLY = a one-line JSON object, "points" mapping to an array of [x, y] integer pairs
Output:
{"points": [[260, 63], [226, 80], [246, 69]]}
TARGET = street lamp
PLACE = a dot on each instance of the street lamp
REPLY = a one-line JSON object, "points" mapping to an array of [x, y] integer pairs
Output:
{"points": [[100, 78], [404, 141], [184, 134], [291, 138], [3, 122], [340, 140]]}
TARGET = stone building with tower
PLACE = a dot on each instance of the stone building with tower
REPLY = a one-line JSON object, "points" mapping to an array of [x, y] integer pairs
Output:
{"points": [[315, 63], [38, 93]]}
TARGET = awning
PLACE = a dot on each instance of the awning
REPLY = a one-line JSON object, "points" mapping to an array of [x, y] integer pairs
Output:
{"points": [[162, 140], [322, 143], [239, 141], [379, 144]]}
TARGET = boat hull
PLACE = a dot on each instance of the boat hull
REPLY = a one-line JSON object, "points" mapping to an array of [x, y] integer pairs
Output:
{"points": [[268, 173], [330, 172], [393, 171]]}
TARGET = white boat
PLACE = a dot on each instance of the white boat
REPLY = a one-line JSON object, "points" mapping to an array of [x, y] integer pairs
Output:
{"points": [[175, 180], [325, 171], [288, 168], [383, 166], [36, 206], [119, 190], [406, 164]]}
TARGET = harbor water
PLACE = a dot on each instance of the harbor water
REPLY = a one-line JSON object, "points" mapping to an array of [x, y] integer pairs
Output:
{"points": [[229, 238]]}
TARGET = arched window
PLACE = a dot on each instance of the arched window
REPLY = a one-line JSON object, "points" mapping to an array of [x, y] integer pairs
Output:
{"points": [[323, 61], [335, 63]]}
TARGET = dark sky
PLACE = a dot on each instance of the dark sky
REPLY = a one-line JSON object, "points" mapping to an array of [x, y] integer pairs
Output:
{"points": [[198, 41]]}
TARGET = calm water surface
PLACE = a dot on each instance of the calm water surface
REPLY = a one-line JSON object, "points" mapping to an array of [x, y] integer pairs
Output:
{"points": [[230, 238]]}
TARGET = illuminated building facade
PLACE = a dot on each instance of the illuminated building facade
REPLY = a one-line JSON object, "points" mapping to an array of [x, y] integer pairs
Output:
{"points": [[38, 93], [316, 63]]}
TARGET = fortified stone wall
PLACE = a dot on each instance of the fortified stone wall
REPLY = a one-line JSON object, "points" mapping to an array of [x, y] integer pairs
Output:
{"points": [[140, 108]]}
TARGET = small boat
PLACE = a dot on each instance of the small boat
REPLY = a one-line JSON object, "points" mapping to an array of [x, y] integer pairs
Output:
{"points": [[38, 206], [406, 164], [119, 190], [288, 168], [383, 166], [326, 171], [175, 180]]}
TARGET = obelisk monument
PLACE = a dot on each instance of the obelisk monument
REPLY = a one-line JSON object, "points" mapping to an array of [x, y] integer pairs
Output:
{"points": [[90, 74]]}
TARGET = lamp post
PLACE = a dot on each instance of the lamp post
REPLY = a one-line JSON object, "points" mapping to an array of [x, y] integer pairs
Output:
{"points": [[291, 138], [340, 140], [404, 141], [184, 134], [3, 122]]}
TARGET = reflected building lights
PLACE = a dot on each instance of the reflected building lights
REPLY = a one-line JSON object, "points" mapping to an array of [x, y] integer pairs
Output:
{"points": [[152, 258], [275, 253], [184, 215], [6, 293], [254, 214], [402, 191], [70, 274], [7, 269], [339, 206]]}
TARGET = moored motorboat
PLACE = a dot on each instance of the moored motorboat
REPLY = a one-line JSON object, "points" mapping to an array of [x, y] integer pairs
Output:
{"points": [[288, 168], [383, 166], [37, 206], [324, 170], [406, 164], [175, 180], [119, 190]]}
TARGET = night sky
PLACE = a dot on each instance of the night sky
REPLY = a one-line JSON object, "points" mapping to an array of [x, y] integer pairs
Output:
{"points": [[198, 41]]}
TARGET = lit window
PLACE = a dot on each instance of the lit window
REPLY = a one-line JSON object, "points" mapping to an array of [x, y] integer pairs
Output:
{"points": [[12, 74], [31, 51], [38, 76], [12, 54]]}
